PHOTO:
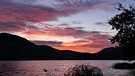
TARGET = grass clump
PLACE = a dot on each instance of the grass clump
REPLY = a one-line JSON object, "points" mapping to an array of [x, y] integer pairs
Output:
{"points": [[84, 70]]}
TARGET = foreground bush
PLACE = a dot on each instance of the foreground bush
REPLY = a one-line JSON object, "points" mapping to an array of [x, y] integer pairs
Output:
{"points": [[84, 70], [124, 66]]}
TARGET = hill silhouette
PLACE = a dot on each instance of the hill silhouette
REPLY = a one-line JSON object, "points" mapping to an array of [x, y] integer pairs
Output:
{"points": [[13, 47]]}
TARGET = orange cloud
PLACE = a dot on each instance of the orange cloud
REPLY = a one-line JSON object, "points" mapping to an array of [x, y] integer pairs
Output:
{"points": [[76, 43], [82, 49], [85, 41]]}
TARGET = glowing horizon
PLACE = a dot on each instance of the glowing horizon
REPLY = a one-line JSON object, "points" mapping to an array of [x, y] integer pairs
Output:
{"points": [[78, 25]]}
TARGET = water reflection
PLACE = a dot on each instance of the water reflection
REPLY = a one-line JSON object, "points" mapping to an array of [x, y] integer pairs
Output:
{"points": [[131, 72], [55, 68], [9, 69], [15, 69]]}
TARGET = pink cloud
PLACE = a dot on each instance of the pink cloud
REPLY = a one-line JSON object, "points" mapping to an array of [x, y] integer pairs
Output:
{"points": [[90, 41], [14, 18], [18, 14], [26, 13]]}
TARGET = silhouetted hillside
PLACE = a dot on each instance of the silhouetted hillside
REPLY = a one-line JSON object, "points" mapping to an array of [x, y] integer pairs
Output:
{"points": [[13, 47], [112, 53]]}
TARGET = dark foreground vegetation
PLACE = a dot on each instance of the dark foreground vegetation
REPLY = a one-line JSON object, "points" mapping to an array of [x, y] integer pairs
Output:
{"points": [[124, 65], [84, 70], [124, 24]]}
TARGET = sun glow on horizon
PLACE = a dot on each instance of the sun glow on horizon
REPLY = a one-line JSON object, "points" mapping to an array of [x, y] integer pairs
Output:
{"points": [[66, 25]]}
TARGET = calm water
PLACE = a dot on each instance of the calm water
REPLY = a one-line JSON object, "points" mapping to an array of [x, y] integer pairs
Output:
{"points": [[56, 67]]}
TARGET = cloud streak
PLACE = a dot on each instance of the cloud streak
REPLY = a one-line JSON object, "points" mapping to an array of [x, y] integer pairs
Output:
{"points": [[83, 5], [11, 26], [50, 43], [26, 13]]}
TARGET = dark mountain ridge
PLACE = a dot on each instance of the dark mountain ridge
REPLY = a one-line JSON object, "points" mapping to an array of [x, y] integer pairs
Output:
{"points": [[13, 47]]}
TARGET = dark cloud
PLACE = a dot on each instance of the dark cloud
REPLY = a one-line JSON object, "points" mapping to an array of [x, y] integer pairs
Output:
{"points": [[101, 23], [26, 13], [11, 26], [19, 1], [82, 2], [79, 28], [83, 5], [5, 1], [76, 22], [25, 1], [15, 26], [50, 43], [63, 24]]}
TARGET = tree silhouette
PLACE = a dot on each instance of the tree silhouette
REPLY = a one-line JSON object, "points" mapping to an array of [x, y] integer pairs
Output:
{"points": [[124, 24]]}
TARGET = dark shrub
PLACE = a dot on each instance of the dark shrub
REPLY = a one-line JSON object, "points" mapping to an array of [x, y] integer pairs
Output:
{"points": [[84, 70], [124, 66]]}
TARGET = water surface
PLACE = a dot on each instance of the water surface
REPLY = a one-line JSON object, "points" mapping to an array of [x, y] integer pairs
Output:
{"points": [[57, 67]]}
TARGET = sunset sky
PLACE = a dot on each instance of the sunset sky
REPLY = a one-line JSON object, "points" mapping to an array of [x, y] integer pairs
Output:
{"points": [[79, 25]]}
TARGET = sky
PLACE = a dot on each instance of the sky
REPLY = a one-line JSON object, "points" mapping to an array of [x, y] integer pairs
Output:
{"points": [[78, 25]]}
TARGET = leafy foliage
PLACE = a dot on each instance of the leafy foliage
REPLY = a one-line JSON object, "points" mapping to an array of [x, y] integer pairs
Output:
{"points": [[124, 24]]}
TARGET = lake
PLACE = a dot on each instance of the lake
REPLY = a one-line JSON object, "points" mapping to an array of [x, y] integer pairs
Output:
{"points": [[57, 67]]}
